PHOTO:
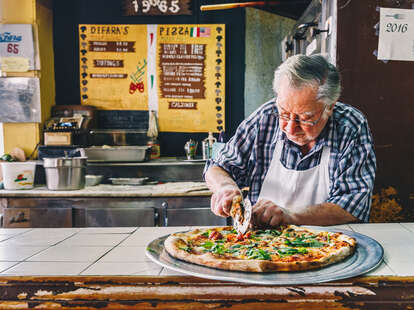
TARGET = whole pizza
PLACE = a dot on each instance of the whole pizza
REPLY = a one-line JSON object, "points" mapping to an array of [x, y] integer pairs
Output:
{"points": [[287, 248]]}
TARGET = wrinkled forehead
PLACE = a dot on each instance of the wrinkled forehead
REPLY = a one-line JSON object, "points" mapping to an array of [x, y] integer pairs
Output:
{"points": [[298, 99]]}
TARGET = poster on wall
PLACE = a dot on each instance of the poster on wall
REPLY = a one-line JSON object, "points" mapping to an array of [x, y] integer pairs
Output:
{"points": [[20, 100], [17, 48], [176, 70]]}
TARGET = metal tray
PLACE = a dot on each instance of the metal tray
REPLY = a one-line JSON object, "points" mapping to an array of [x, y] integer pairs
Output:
{"points": [[368, 255], [117, 153], [129, 181]]}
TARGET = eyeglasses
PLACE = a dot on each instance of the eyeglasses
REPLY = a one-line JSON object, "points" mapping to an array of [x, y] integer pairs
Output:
{"points": [[297, 119]]}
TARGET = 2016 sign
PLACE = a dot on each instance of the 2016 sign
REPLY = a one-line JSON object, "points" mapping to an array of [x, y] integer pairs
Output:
{"points": [[156, 7]]}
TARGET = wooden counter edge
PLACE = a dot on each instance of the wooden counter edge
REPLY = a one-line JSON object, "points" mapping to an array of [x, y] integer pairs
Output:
{"points": [[185, 292]]}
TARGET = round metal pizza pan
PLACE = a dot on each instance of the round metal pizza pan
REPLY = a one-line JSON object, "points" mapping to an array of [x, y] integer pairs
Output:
{"points": [[367, 256]]}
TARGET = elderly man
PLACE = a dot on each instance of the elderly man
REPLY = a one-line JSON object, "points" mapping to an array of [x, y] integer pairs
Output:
{"points": [[306, 158]]}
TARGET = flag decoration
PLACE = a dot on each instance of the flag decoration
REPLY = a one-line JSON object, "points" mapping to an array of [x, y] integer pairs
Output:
{"points": [[200, 32]]}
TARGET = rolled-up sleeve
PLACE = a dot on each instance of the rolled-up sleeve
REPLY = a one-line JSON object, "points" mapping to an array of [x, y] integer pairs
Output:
{"points": [[354, 176]]}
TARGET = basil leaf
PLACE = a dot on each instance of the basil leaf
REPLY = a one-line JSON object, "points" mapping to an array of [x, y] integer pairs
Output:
{"points": [[258, 254], [290, 251], [218, 249], [305, 243], [271, 232], [207, 245], [186, 248]]}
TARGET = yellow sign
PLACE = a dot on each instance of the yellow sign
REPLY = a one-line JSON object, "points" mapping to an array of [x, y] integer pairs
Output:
{"points": [[14, 64], [176, 70]]}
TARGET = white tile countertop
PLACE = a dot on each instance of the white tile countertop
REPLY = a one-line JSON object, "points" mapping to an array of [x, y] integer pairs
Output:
{"points": [[121, 251]]}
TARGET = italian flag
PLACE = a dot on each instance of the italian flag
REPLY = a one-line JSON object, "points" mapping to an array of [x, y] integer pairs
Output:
{"points": [[195, 32]]}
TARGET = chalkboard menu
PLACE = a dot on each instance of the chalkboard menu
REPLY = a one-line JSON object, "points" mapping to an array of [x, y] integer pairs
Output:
{"points": [[176, 70]]}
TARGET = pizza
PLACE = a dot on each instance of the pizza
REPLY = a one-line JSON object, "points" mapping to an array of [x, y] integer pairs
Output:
{"points": [[236, 208], [287, 248]]}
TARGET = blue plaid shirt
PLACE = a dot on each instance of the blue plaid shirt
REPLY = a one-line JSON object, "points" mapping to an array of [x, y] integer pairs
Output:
{"points": [[247, 156]]}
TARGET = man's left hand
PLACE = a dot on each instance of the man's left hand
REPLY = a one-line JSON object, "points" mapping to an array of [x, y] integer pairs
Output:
{"points": [[267, 214]]}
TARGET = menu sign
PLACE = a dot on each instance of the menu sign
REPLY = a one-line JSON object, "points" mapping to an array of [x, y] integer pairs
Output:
{"points": [[182, 70], [176, 70]]}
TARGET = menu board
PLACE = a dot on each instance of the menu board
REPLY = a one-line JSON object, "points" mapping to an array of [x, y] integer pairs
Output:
{"points": [[176, 70]]}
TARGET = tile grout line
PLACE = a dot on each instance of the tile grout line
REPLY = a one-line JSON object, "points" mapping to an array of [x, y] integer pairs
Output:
{"points": [[110, 250]]}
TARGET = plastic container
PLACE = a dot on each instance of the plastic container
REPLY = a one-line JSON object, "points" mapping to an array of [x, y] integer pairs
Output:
{"points": [[18, 175]]}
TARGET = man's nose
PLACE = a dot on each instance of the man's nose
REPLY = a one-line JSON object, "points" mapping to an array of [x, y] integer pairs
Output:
{"points": [[291, 126]]}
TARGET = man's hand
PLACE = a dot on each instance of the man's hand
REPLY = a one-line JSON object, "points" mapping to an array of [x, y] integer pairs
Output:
{"points": [[267, 214], [222, 199]]}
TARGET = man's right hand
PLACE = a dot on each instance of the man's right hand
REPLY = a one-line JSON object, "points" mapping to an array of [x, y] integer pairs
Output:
{"points": [[222, 200]]}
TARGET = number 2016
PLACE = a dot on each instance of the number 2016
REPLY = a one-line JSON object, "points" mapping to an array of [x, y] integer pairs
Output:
{"points": [[391, 27]]}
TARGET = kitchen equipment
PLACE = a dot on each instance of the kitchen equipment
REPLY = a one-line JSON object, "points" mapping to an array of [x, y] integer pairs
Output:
{"points": [[368, 255], [92, 180], [65, 173], [117, 137], [118, 153], [128, 181], [18, 175], [69, 124]]}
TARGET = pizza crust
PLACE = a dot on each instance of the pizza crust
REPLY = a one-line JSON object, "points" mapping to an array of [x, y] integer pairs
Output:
{"points": [[175, 243]]}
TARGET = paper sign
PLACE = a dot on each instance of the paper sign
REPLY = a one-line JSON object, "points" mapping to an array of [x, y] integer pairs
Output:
{"points": [[14, 64], [16, 40], [396, 35], [176, 70]]}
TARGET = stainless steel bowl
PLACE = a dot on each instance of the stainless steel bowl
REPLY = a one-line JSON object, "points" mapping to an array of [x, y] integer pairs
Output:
{"points": [[65, 173]]}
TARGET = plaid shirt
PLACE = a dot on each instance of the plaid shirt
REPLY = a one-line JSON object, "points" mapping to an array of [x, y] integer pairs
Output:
{"points": [[247, 156]]}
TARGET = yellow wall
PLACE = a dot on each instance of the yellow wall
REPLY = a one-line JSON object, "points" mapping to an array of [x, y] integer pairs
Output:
{"points": [[38, 13], [17, 11], [44, 21]]}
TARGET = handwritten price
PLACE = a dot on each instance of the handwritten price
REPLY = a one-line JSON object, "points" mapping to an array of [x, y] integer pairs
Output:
{"points": [[162, 5], [13, 48]]}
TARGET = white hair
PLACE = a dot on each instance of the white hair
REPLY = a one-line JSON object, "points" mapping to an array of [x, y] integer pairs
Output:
{"points": [[310, 71]]}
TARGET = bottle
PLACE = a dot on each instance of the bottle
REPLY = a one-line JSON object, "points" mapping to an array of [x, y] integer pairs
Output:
{"points": [[155, 148], [208, 145], [217, 146]]}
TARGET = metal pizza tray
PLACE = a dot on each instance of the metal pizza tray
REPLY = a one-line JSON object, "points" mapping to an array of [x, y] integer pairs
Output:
{"points": [[368, 255]]}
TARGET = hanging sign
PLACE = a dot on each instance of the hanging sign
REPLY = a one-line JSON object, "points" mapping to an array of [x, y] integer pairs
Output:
{"points": [[396, 34], [176, 70], [156, 7], [17, 52]]}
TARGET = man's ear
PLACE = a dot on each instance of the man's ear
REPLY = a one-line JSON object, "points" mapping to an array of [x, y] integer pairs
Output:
{"points": [[329, 109]]}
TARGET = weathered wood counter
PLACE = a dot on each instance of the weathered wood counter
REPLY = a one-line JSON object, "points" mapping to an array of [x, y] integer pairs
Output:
{"points": [[106, 268]]}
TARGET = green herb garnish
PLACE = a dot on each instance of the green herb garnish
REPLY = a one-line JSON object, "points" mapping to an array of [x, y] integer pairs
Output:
{"points": [[258, 254]]}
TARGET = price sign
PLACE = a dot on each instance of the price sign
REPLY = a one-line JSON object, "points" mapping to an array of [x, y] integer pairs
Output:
{"points": [[17, 47], [156, 7], [396, 36]]}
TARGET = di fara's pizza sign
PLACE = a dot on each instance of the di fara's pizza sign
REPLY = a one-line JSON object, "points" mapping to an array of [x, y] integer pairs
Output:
{"points": [[177, 70]]}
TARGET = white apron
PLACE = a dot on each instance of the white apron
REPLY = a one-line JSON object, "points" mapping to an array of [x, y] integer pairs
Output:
{"points": [[292, 189]]}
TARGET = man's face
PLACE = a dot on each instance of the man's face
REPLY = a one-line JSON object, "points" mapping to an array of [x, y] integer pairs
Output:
{"points": [[301, 104]]}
